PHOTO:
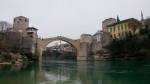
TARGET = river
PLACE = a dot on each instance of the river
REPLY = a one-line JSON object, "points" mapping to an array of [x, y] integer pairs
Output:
{"points": [[80, 72]]}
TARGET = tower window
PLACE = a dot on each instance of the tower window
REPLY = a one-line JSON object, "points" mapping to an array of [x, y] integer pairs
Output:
{"points": [[26, 20], [19, 19]]}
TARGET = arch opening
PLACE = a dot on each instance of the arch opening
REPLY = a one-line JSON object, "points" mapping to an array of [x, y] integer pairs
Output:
{"points": [[59, 49]]}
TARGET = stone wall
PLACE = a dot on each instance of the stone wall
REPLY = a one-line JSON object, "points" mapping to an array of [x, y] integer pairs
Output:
{"points": [[28, 45], [13, 40], [16, 41]]}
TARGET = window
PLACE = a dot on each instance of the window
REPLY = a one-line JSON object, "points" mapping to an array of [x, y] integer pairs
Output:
{"points": [[20, 19], [114, 36], [122, 27], [118, 27], [123, 34], [114, 29], [110, 29], [119, 34], [126, 25], [111, 36], [31, 36], [26, 20]]}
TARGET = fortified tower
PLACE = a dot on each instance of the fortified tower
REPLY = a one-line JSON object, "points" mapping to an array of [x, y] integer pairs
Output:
{"points": [[20, 24], [85, 47]]}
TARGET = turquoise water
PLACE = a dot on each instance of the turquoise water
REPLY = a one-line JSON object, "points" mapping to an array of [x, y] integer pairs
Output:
{"points": [[71, 72]]}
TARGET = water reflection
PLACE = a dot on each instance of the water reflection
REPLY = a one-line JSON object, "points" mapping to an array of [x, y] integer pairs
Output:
{"points": [[71, 72], [16, 74]]}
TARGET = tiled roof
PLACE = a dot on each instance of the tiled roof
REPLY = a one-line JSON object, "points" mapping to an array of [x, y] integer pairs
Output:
{"points": [[123, 21]]}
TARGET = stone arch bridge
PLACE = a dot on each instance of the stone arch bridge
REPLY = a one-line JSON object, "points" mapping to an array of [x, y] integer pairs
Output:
{"points": [[82, 45]]}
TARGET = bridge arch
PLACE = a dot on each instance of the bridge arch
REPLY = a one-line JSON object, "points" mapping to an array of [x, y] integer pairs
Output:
{"points": [[49, 40], [42, 43]]}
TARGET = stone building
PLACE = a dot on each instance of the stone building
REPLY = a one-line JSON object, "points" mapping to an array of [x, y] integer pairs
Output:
{"points": [[20, 24], [21, 37], [32, 32], [29, 42], [28, 34], [107, 22], [122, 28], [4, 26], [100, 40]]}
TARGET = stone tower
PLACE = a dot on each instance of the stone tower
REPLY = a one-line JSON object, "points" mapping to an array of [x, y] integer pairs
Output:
{"points": [[107, 22], [85, 47], [21, 23]]}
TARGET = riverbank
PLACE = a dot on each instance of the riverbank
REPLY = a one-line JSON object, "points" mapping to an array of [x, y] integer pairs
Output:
{"points": [[110, 56], [5, 63], [8, 58]]}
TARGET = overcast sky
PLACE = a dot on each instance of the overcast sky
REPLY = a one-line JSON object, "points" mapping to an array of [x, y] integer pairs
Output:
{"points": [[71, 18]]}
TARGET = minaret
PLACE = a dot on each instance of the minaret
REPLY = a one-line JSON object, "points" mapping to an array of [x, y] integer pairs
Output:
{"points": [[142, 17], [142, 20]]}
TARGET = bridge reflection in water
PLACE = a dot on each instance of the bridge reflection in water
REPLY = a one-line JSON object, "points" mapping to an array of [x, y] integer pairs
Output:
{"points": [[81, 72]]}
